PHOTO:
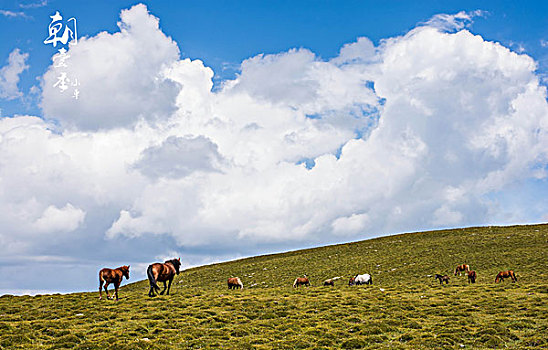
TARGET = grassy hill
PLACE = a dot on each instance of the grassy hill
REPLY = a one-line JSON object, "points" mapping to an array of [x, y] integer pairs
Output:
{"points": [[404, 309]]}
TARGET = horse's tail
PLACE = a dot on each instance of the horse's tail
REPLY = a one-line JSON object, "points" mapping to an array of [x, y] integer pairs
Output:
{"points": [[151, 278], [240, 282], [295, 283], [370, 279]]}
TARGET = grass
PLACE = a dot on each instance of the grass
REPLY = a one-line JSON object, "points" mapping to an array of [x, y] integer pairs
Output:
{"points": [[404, 309]]}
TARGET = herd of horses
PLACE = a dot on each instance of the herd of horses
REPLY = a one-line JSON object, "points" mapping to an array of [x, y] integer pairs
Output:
{"points": [[165, 272], [472, 275]]}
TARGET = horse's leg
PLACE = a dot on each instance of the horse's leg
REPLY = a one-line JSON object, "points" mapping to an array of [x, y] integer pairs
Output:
{"points": [[100, 288], [116, 285], [151, 291], [169, 285], [106, 290]]}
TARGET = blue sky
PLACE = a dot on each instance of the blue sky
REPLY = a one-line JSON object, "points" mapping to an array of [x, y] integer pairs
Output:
{"points": [[216, 130]]}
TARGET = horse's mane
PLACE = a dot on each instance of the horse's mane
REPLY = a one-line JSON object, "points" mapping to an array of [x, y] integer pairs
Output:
{"points": [[175, 262]]}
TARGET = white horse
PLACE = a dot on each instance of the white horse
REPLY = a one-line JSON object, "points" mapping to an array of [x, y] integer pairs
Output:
{"points": [[361, 279]]}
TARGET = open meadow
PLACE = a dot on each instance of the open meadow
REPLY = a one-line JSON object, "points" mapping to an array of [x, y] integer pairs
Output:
{"points": [[405, 308]]}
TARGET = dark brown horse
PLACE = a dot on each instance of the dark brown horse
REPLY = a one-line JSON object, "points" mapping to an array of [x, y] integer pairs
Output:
{"points": [[234, 283], [301, 281], [162, 273], [462, 268], [115, 276], [443, 278], [472, 276], [506, 274]]}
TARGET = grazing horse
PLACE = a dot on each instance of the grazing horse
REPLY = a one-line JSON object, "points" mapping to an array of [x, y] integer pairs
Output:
{"points": [[505, 274], [235, 282], [472, 276], [462, 268], [162, 273], [329, 282], [443, 278], [301, 281], [115, 276], [360, 279]]}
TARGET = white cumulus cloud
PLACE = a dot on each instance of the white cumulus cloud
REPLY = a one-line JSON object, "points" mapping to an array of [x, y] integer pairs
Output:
{"points": [[9, 74], [120, 76]]}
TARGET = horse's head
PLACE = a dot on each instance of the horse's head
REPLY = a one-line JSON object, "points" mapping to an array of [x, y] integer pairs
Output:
{"points": [[176, 264], [351, 281], [498, 278], [125, 271]]}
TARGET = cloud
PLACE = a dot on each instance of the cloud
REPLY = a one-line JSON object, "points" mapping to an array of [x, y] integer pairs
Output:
{"points": [[178, 157], [34, 4], [454, 22], [64, 219], [350, 225], [454, 127], [13, 14], [120, 76], [9, 75], [426, 130]]}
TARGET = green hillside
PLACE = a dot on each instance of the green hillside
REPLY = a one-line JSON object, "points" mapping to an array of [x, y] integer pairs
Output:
{"points": [[405, 308]]}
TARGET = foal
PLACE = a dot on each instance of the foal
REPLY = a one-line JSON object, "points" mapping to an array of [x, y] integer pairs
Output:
{"points": [[115, 276]]}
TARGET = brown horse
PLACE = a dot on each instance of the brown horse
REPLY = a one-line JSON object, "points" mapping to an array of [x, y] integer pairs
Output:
{"points": [[115, 276], [472, 276], [162, 273], [443, 278], [505, 274], [234, 283], [462, 268], [329, 282], [301, 281]]}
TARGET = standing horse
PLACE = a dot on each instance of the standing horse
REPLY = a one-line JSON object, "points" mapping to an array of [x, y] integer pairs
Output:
{"points": [[443, 278], [505, 274], [360, 279], [462, 268], [162, 273], [301, 281], [115, 276], [235, 282], [472, 276]]}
